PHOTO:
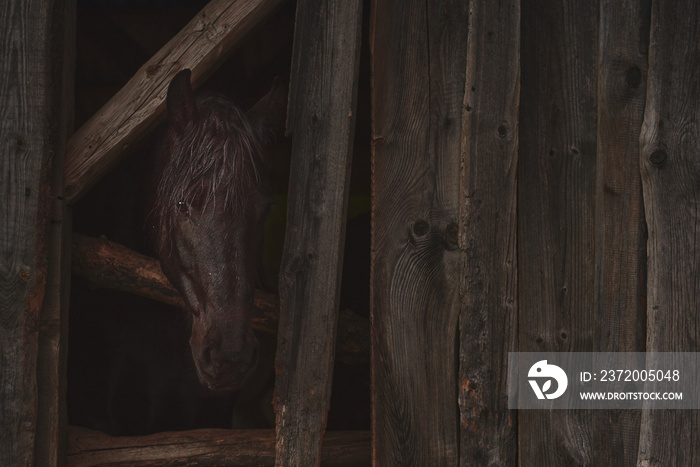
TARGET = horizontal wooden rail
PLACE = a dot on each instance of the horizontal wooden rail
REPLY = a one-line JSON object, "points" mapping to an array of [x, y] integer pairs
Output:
{"points": [[200, 46], [205, 447], [106, 264]]}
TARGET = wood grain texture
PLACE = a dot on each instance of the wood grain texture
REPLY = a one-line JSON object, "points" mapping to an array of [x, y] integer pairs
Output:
{"points": [[26, 148], [556, 211], [418, 74], [321, 120], [201, 45], [52, 419], [620, 244], [106, 264], [205, 448], [488, 227], [670, 169]]}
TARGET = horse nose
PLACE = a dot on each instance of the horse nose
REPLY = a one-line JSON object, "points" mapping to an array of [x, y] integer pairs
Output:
{"points": [[219, 354], [225, 363]]}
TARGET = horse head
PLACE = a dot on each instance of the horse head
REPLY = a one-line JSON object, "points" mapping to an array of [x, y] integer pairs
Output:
{"points": [[213, 197]]}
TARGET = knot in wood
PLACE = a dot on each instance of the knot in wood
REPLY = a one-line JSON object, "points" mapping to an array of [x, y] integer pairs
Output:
{"points": [[658, 157], [633, 77], [421, 228]]}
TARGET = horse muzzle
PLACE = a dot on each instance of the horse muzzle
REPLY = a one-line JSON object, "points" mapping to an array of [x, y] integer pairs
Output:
{"points": [[223, 364]]}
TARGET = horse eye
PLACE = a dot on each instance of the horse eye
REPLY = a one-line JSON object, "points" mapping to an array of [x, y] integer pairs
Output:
{"points": [[182, 207]]}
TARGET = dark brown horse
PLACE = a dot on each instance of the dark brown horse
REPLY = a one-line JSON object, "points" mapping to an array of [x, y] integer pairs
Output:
{"points": [[213, 197]]}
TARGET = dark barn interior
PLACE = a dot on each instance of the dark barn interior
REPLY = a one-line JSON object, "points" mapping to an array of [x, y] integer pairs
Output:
{"points": [[130, 370]]}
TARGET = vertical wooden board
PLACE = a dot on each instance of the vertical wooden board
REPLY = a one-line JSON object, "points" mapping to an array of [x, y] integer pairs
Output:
{"points": [[418, 71], [488, 321], [25, 157], [51, 438], [322, 121], [620, 254], [622, 71], [670, 168], [556, 188]]}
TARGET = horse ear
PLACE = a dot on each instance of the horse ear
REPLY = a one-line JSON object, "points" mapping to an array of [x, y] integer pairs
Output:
{"points": [[269, 115], [180, 101]]}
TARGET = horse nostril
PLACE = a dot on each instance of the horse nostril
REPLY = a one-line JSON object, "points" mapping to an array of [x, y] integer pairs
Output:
{"points": [[209, 357]]}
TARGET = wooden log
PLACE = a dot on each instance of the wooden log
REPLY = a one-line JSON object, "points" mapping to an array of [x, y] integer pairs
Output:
{"points": [[201, 45], [488, 228], [619, 218], [321, 120], [556, 212], [106, 264], [205, 447], [28, 96], [670, 169], [52, 419], [419, 64]]}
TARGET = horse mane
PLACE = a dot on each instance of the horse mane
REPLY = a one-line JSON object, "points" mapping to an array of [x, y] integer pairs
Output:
{"points": [[217, 153]]}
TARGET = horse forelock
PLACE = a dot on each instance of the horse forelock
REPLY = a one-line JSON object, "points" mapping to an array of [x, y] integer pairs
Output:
{"points": [[217, 158]]}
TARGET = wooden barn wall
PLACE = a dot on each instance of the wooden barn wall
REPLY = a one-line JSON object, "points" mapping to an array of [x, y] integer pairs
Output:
{"points": [[488, 230], [35, 74], [418, 66], [670, 162], [578, 129], [579, 220]]}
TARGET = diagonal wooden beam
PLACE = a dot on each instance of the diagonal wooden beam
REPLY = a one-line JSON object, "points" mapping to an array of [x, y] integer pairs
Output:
{"points": [[200, 46]]}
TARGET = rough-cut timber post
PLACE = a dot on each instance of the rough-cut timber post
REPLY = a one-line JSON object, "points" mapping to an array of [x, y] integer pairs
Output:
{"points": [[488, 228], [670, 168], [619, 221], [321, 120], [28, 141], [105, 264], [419, 56], [52, 418], [204, 43], [205, 447], [556, 211]]}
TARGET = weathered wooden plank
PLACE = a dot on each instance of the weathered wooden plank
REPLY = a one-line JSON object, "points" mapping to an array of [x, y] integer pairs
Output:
{"points": [[620, 254], [670, 168], [27, 143], [50, 443], [556, 211], [488, 227], [419, 65], [205, 447], [201, 45], [321, 120], [106, 264], [622, 71]]}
